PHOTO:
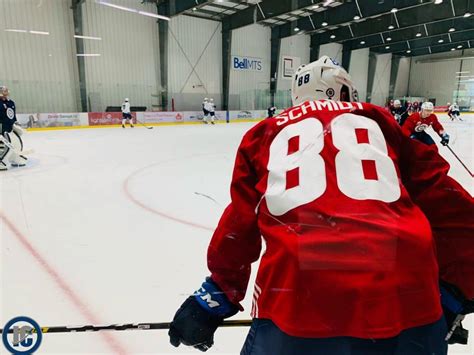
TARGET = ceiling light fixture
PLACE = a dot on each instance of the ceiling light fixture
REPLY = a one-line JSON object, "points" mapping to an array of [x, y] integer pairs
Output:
{"points": [[441, 41], [437, 2], [418, 34], [394, 10], [324, 24], [389, 39], [333, 36], [387, 47], [467, 14], [362, 42], [391, 27], [452, 29], [88, 37], [408, 51], [356, 17]]}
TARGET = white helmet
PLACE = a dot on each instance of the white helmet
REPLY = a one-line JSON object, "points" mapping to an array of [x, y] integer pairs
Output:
{"points": [[397, 103], [455, 103], [427, 106], [4, 92], [126, 100], [211, 100], [206, 99], [324, 79]]}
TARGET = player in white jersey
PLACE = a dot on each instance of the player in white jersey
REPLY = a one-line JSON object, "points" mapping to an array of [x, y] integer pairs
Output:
{"points": [[453, 112], [126, 113], [210, 107]]}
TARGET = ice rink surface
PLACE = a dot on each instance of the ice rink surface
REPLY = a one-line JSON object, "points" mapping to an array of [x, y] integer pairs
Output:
{"points": [[112, 225]]}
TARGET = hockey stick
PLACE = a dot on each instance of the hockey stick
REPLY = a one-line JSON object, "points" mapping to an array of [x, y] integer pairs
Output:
{"points": [[128, 326], [465, 167], [144, 125]]}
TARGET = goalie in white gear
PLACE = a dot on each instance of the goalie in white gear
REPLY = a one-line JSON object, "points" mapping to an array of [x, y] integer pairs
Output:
{"points": [[322, 80], [11, 144]]}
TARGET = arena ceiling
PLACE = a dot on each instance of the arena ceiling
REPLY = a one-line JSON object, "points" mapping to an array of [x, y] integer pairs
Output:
{"points": [[403, 27]]}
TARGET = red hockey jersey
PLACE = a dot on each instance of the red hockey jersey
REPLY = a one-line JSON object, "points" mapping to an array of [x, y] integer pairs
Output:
{"points": [[416, 123], [351, 212]]}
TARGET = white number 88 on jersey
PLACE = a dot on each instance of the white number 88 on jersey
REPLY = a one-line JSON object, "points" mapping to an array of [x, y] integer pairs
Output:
{"points": [[311, 167]]}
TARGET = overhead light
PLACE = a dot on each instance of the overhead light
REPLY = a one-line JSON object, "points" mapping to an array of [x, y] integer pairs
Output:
{"points": [[297, 29], [195, 8], [15, 30], [151, 14], [324, 23], [467, 14], [460, 46], [418, 34], [88, 55], [408, 51], [88, 37], [314, 7], [453, 49], [441, 41], [39, 33], [117, 6], [362, 42], [356, 17], [333, 36], [124, 8], [437, 2], [394, 10], [389, 39], [328, 2], [391, 27], [387, 47], [452, 29]]}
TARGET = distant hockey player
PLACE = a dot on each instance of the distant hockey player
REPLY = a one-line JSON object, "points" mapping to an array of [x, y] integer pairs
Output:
{"points": [[126, 113], [204, 110], [453, 112], [11, 133], [417, 123], [210, 107], [271, 111], [399, 112], [359, 223]]}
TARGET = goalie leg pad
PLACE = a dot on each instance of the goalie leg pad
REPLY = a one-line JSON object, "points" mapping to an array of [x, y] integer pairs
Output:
{"points": [[14, 155]]}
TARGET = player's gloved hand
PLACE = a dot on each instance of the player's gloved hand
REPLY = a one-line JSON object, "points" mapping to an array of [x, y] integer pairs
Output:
{"points": [[398, 117], [199, 316], [455, 307], [445, 139]]}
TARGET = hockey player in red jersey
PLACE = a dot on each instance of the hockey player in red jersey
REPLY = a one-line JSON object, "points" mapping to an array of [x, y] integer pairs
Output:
{"points": [[360, 223], [416, 124]]}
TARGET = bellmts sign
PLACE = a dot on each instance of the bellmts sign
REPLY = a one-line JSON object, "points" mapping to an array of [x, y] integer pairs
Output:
{"points": [[247, 63]]}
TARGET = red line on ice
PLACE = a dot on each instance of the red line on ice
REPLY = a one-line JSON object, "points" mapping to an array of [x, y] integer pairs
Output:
{"points": [[62, 284], [152, 210]]}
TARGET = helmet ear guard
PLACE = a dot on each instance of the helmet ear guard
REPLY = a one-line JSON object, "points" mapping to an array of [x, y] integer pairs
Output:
{"points": [[322, 80]]}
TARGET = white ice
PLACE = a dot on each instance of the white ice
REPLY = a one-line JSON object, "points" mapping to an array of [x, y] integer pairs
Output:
{"points": [[112, 226]]}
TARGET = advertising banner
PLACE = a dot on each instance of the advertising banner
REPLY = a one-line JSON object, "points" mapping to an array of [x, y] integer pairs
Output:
{"points": [[107, 118], [40, 120]]}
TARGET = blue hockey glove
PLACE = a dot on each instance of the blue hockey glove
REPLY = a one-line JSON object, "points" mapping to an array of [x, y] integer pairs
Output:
{"points": [[455, 307], [445, 139], [196, 321]]}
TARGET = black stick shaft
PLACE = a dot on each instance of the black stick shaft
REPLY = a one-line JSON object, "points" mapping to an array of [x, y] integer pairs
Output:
{"points": [[465, 167], [128, 326]]}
